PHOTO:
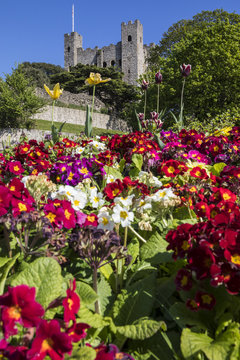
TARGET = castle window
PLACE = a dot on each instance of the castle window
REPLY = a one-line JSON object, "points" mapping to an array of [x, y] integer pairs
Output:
{"points": [[112, 63], [128, 71], [129, 38], [69, 49], [104, 64], [140, 39]]}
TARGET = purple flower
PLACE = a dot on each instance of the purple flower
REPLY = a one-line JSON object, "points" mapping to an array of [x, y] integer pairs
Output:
{"points": [[185, 70], [158, 77], [145, 85]]}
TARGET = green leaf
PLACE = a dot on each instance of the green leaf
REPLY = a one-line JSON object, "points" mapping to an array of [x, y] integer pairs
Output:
{"points": [[3, 261], [114, 172], [184, 213], [45, 275], [219, 349], [135, 302], [137, 160], [154, 250], [104, 294], [7, 267], [142, 329], [86, 293], [216, 169], [94, 320], [133, 249], [84, 353], [108, 273], [184, 316]]}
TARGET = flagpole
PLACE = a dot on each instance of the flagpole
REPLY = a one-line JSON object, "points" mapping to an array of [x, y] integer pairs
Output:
{"points": [[72, 17]]}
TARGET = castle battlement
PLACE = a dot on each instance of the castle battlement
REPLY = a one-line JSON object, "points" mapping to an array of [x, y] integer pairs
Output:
{"points": [[128, 55]]}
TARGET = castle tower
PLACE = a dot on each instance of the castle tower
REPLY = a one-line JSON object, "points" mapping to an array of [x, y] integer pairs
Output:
{"points": [[132, 51], [72, 42]]}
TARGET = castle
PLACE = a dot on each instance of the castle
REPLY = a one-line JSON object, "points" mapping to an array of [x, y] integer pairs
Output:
{"points": [[128, 55]]}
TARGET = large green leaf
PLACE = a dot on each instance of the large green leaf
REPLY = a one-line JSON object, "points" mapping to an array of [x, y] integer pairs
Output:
{"points": [[104, 294], [86, 293], [114, 172], [94, 320], [184, 316], [108, 273], [135, 302], [45, 275], [219, 349], [142, 329], [7, 265], [155, 250]]}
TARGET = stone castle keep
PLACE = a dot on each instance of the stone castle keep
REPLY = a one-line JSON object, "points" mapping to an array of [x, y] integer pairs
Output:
{"points": [[128, 55]]}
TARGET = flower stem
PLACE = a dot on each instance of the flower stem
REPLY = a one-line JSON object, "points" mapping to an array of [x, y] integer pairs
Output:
{"points": [[95, 288], [138, 236], [93, 98], [53, 110], [158, 97], [125, 236], [145, 103]]}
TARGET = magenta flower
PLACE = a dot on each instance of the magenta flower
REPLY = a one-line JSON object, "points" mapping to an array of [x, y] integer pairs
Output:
{"points": [[158, 77], [145, 85], [77, 331], [185, 70], [50, 341], [71, 303], [18, 305]]}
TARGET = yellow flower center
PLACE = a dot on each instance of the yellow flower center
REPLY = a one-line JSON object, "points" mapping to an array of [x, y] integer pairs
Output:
{"points": [[84, 170], [91, 218], [123, 214], [70, 176], [46, 345], [235, 259], [185, 245], [115, 192], [206, 299], [171, 169], [16, 168], [226, 197], [67, 214], [184, 280], [51, 217], [70, 303], [14, 312], [22, 207], [105, 221]]}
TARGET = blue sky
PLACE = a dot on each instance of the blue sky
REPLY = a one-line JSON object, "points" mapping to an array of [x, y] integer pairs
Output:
{"points": [[34, 30]]}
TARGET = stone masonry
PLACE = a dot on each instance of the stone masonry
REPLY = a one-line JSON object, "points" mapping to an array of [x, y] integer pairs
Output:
{"points": [[129, 55]]}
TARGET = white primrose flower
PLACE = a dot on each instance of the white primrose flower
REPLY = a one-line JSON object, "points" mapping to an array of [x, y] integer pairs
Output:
{"points": [[79, 200], [110, 179], [144, 204], [149, 179], [163, 195], [122, 215], [104, 221], [96, 145], [127, 201], [96, 199], [78, 150], [64, 192]]}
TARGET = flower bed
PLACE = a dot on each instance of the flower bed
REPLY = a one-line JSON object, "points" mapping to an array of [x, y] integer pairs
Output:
{"points": [[144, 240]]}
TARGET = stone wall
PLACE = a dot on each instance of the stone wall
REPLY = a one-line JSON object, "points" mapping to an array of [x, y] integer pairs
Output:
{"points": [[78, 117]]}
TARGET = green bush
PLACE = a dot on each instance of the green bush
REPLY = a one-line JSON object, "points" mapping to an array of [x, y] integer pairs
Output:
{"points": [[18, 102]]}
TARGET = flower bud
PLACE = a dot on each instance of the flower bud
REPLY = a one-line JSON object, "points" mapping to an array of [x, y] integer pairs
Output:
{"points": [[158, 77], [185, 70], [145, 85]]}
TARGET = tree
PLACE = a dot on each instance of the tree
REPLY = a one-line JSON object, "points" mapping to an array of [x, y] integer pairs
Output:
{"points": [[213, 85], [40, 73], [18, 101], [179, 31]]}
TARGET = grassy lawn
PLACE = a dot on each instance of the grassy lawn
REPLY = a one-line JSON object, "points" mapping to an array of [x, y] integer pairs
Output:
{"points": [[73, 128]]}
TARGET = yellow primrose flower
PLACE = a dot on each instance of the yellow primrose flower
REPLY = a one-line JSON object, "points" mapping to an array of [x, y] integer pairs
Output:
{"points": [[95, 79], [55, 93]]}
